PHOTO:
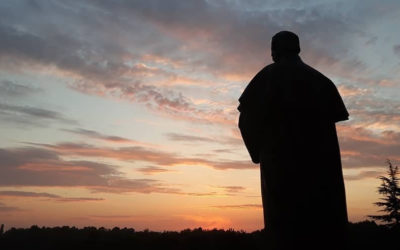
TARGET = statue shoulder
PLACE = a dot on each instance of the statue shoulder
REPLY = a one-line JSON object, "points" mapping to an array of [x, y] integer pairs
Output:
{"points": [[316, 74], [252, 89]]}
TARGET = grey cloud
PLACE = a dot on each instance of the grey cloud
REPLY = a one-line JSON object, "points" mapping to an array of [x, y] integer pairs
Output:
{"points": [[234, 34], [129, 153], [97, 135], [29, 47], [31, 115], [30, 166], [147, 93], [396, 49], [12, 89], [169, 103], [122, 185], [32, 111], [369, 108], [13, 193], [237, 33], [91, 41], [74, 47], [362, 148], [371, 148], [5, 208], [33, 42], [225, 140], [138, 153], [188, 138]]}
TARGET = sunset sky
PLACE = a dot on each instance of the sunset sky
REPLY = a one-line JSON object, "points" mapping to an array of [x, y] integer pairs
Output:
{"points": [[123, 113]]}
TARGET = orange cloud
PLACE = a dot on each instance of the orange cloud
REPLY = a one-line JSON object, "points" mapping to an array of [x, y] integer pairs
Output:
{"points": [[352, 91], [150, 170], [158, 59], [240, 206], [363, 175], [232, 189], [207, 222]]}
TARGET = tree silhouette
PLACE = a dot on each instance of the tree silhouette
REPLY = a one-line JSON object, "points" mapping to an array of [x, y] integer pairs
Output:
{"points": [[391, 202]]}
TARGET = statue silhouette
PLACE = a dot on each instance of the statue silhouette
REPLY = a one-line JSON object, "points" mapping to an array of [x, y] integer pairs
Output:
{"points": [[287, 120]]}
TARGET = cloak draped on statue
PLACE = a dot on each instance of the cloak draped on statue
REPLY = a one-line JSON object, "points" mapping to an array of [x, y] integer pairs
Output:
{"points": [[287, 120]]}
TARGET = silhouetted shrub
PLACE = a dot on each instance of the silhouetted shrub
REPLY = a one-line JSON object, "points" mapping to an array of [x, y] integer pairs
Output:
{"points": [[362, 235], [391, 201]]}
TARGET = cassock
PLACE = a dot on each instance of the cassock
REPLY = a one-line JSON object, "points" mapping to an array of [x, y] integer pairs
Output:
{"points": [[287, 120]]}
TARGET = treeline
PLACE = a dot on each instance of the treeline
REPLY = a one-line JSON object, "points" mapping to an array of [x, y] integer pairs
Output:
{"points": [[362, 235]]}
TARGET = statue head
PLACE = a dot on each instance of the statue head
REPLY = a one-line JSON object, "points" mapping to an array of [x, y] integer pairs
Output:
{"points": [[284, 44]]}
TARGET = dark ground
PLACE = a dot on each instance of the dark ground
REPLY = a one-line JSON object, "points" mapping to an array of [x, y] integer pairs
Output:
{"points": [[362, 235]]}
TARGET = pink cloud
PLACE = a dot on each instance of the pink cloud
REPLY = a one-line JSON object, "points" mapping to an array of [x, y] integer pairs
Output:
{"points": [[142, 154], [362, 147]]}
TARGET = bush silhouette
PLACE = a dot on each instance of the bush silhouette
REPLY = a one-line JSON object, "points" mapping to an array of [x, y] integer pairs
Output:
{"points": [[391, 201], [362, 235]]}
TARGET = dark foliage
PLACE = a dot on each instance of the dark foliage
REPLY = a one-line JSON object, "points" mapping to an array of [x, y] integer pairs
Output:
{"points": [[362, 235], [391, 202]]}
